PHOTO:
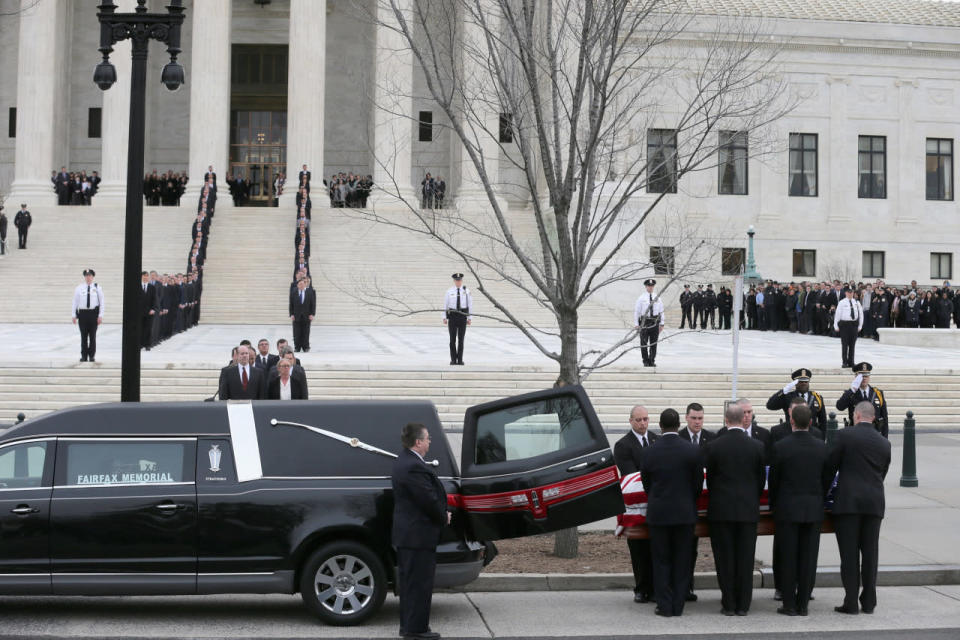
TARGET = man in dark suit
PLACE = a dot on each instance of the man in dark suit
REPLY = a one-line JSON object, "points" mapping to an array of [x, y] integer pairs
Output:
{"points": [[62, 187], [628, 456], [862, 456], [799, 387], [797, 487], [695, 433], [148, 310], [749, 425], [672, 473], [210, 176], [419, 515], [243, 382], [303, 306], [784, 428], [735, 479], [265, 360]]}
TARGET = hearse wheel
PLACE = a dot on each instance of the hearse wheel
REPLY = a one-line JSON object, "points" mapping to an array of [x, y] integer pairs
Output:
{"points": [[343, 583]]}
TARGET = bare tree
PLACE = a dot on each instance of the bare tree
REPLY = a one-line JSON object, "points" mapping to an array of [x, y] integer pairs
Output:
{"points": [[608, 104]]}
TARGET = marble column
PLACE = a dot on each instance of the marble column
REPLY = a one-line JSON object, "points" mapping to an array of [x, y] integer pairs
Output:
{"points": [[306, 86], [41, 99], [482, 122], [116, 124], [209, 78], [393, 118], [911, 187]]}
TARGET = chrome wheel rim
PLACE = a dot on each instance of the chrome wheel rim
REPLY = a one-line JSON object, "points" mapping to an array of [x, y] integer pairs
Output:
{"points": [[344, 585]]}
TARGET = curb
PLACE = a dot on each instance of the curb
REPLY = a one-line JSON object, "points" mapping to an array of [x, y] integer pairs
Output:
{"points": [[889, 576]]}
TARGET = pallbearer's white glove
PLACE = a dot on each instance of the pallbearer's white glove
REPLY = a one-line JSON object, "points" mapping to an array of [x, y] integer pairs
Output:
{"points": [[790, 387], [856, 382]]}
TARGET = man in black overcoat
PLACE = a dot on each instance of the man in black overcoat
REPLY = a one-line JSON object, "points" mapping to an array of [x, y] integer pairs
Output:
{"points": [[672, 473], [695, 433], [735, 479], [628, 456], [797, 487], [243, 381], [862, 458], [302, 308], [419, 515]]}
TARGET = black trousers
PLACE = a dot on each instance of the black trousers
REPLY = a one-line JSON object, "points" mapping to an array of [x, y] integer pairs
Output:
{"points": [[670, 551], [301, 333], [457, 326], [415, 568], [87, 321], [22, 237], [725, 317], [858, 537], [694, 548], [734, 545], [146, 330], [687, 318], [848, 341], [648, 342], [796, 547], [642, 562]]}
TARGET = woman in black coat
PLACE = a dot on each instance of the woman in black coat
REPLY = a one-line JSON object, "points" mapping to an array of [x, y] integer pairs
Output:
{"points": [[926, 311], [944, 311]]}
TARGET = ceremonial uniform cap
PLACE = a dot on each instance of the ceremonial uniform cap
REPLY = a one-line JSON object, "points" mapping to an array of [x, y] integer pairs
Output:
{"points": [[649, 282], [709, 286], [457, 276], [89, 272], [801, 375], [686, 286], [863, 368], [23, 205]]}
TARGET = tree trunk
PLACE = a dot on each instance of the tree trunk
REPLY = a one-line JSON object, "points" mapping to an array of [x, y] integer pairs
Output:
{"points": [[566, 543]]}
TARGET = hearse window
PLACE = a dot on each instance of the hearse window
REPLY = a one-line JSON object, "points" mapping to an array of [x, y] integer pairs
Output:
{"points": [[146, 462], [529, 430], [21, 466]]}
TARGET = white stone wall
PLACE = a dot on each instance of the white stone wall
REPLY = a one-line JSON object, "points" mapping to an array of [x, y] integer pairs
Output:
{"points": [[83, 94], [9, 44]]}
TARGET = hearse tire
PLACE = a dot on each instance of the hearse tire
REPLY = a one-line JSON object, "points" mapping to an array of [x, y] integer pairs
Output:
{"points": [[343, 583]]}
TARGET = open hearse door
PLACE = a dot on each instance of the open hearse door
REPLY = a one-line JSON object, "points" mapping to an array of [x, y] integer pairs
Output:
{"points": [[536, 463]]}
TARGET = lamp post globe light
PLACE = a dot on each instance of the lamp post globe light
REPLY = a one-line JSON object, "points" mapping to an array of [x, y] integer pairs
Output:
{"points": [[140, 27]]}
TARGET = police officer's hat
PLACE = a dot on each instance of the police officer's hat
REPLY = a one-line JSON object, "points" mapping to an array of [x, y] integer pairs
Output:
{"points": [[863, 368], [801, 375], [709, 286], [23, 205], [457, 276], [686, 286], [649, 282], [89, 272], [699, 286]]}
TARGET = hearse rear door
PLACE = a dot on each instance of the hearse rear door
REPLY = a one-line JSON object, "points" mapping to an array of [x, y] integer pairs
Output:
{"points": [[536, 463]]}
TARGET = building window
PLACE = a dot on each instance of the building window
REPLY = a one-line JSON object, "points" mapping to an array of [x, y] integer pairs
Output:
{"points": [[939, 169], [732, 261], [873, 264], [804, 263], [94, 116], [661, 161], [732, 160], [873, 167], [12, 123], [506, 128], [803, 164], [426, 126], [941, 266], [662, 260]]}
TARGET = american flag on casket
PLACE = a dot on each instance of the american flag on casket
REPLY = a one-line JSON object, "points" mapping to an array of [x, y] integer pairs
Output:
{"points": [[635, 502]]}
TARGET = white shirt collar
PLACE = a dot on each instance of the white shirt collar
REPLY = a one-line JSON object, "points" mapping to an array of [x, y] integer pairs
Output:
{"points": [[418, 455], [669, 433], [641, 437], [740, 428]]}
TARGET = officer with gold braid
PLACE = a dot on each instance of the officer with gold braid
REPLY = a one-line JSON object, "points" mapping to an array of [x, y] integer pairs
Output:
{"points": [[800, 387], [861, 391]]}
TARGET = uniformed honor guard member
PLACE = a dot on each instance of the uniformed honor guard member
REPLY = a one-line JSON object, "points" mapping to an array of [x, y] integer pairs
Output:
{"points": [[848, 321], [861, 391], [800, 387], [456, 315], [649, 314], [686, 306], [88, 313]]}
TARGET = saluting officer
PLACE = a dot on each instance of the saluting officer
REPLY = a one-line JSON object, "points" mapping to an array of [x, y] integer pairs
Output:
{"points": [[649, 314], [848, 321], [861, 391], [88, 313], [456, 315], [799, 387]]}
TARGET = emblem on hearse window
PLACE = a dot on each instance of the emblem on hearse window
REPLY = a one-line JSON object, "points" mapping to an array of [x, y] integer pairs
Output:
{"points": [[215, 454]]}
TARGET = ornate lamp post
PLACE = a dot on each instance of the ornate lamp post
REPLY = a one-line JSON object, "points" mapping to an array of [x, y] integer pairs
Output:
{"points": [[751, 275], [140, 27]]}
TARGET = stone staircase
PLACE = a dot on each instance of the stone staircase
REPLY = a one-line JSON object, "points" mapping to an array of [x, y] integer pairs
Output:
{"points": [[35, 390]]}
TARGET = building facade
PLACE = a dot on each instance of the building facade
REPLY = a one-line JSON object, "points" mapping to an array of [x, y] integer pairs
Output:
{"points": [[858, 183]]}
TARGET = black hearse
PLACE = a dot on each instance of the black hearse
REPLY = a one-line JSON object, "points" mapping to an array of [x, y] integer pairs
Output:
{"points": [[280, 497]]}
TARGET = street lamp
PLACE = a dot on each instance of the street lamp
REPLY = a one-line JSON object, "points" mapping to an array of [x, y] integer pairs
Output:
{"points": [[140, 27], [751, 275]]}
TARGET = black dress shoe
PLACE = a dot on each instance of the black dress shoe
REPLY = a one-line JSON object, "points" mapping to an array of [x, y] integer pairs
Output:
{"points": [[83, 359], [726, 612], [786, 612], [740, 612], [811, 597], [661, 612], [777, 595], [426, 635], [453, 362], [640, 598], [802, 611], [866, 610], [843, 609], [691, 597], [92, 360]]}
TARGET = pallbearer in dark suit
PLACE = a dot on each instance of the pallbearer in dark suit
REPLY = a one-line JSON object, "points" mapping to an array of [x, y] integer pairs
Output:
{"points": [[695, 433], [753, 430], [303, 306], [735, 479], [798, 484], [265, 360], [672, 473], [861, 391], [628, 456], [243, 381], [862, 457], [419, 515]]}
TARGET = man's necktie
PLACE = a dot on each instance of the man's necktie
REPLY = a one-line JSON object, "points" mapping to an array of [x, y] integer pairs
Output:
{"points": [[458, 299], [243, 377], [851, 310], [643, 441], [301, 297], [696, 438], [88, 296]]}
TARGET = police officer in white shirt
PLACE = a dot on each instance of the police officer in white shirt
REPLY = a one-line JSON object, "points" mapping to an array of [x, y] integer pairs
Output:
{"points": [[88, 312], [848, 321], [456, 315], [650, 320]]}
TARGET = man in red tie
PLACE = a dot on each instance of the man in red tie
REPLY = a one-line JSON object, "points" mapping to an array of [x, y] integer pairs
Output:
{"points": [[244, 381]]}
